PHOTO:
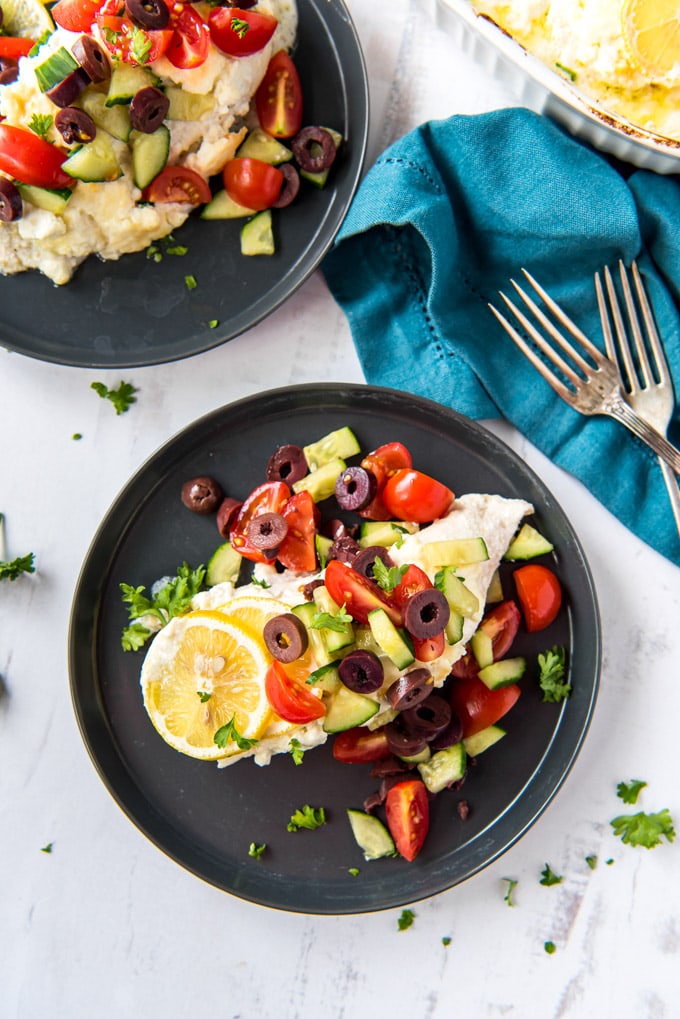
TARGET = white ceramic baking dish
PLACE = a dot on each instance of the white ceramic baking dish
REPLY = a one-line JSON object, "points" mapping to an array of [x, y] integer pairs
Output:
{"points": [[539, 88]]}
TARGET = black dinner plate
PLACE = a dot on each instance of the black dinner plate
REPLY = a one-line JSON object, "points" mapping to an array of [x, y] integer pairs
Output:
{"points": [[135, 311], [205, 818]]}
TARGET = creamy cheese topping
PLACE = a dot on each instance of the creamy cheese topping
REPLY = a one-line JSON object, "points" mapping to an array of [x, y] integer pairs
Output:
{"points": [[104, 218]]}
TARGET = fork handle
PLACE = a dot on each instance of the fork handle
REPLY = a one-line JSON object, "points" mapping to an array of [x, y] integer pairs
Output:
{"points": [[673, 491], [655, 440]]}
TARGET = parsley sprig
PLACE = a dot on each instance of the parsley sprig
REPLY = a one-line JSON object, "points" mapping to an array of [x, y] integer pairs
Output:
{"points": [[40, 124], [15, 567], [641, 829], [308, 817], [121, 398], [171, 600], [551, 678], [328, 621], [387, 577], [230, 732]]}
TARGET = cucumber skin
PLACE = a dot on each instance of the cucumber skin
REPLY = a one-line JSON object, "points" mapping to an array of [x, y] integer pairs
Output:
{"points": [[347, 709], [371, 835]]}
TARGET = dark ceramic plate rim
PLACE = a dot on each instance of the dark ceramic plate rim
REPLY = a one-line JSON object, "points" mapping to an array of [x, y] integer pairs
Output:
{"points": [[419, 881], [134, 313]]}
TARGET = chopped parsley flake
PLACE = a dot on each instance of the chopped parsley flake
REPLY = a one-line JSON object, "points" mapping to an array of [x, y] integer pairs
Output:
{"points": [[203, 696], [296, 750], [140, 45], [213, 323], [387, 577], [191, 283], [512, 884], [591, 861], [446, 941], [354, 871], [550, 947], [308, 817], [256, 851], [406, 919], [77, 436], [326, 621], [47, 848], [13, 569], [121, 398], [629, 791], [239, 26], [549, 877]]}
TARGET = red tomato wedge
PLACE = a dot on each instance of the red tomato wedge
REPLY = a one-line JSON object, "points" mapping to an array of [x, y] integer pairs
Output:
{"points": [[501, 624], [271, 497], [278, 100], [13, 46], [408, 816], [427, 649], [252, 182], [240, 33], [298, 548], [413, 582], [75, 15], [124, 40], [31, 159], [540, 595], [360, 746], [383, 462], [190, 42], [292, 701], [357, 593], [411, 495], [178, 184], [478, 707]]}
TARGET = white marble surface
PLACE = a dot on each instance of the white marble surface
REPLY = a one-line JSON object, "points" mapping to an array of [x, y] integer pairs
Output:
{"points": [[105, 925]]}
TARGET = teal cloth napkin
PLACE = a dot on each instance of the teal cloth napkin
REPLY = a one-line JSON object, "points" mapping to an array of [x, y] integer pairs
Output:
{"points": [[442, 221]]}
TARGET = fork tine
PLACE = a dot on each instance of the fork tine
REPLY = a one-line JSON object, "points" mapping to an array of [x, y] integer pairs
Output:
{"points": [[552, 331], [640, 349], [604, 319], [624, 352], [569, 325], [563, 391], [655, 344], [540, 341]]}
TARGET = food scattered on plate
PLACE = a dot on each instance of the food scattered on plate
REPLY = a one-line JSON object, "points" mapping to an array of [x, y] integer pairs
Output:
{"points": [[353, 598], [624, 54], [121, 117]]}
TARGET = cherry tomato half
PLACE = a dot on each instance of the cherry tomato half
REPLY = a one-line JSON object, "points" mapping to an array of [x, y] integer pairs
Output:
{"points": [[13, 46], [252, 182], [408, 816], [540, 595], [501, 624], [240, 33], [298, 548], [383, 462], [75, 15], [271, 497], [278, 100], [357, 593], [361, 745], [178, 184], [190, 42], [292, 701], [126, 41], [478, 707], [31, 159], [428, 649], [413, 582], [411, 495]]}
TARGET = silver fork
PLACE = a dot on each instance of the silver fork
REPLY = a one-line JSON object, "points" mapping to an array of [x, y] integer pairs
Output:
{"points": [[647, 380], [593, 386]]}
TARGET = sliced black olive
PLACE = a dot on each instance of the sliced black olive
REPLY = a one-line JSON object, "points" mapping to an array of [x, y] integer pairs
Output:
{"points": [[11, 205], [75, 125], [9, 70], [428, 718], [309, 589], [148, 109], [289, 188], [364, 561], [361, 671], [335, 529], [150, 14], [314, 149], [355, 488], [286, 637], [453, 733], [92, 58], [402, 742], [426, 613], [287, 464], [202, 494], [410, 689], [344, 548], [227, 511], [68, 90], [266, 531]]}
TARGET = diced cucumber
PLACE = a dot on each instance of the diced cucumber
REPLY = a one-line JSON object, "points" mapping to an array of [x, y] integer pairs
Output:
{"points": [[260, 145], [454, 552], [334, 639], [318, 178], [257, 235], [323, 546], [126, 81], [96, 161], [224, 565], [306, 612], [383, 532], [481, 741], [346, 709], [371, 835], [527, 544], [222, 206], [420, 758], [320, 483], [454, 627], [460, 598], [494, 592], [482, 648], [149, 154], [502, 673], [53, 70], [327, 678], [393, 642], [443, 768], [337, 445], [51, 199], [113, 119], [187, 105]]}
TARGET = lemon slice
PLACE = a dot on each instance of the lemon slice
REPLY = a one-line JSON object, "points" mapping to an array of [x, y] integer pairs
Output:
{"points": [[651, 29], [28, 18], [203, 671]]}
